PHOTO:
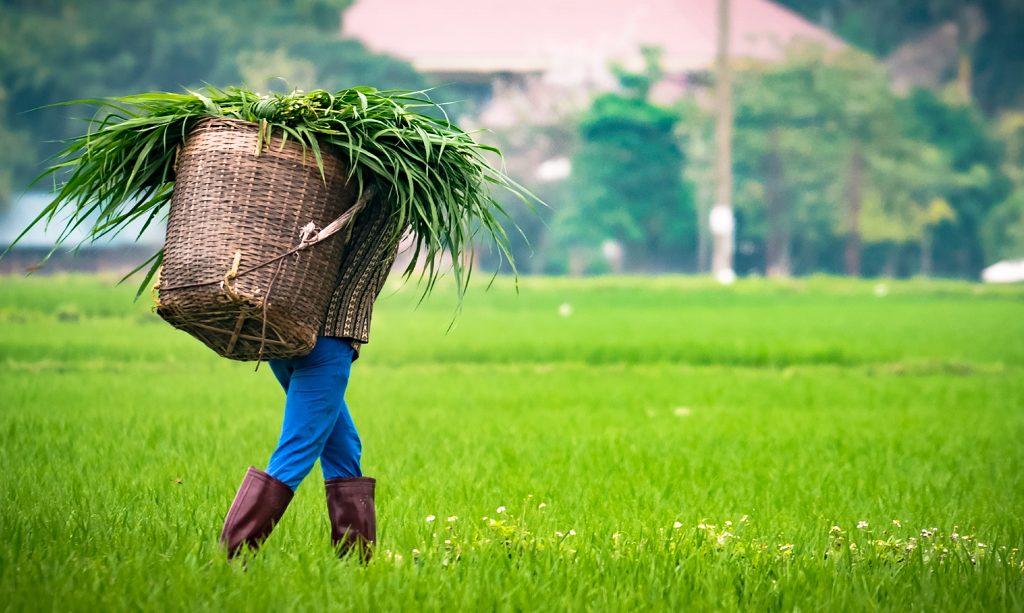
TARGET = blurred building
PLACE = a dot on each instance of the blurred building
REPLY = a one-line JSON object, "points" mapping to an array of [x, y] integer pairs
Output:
{"points": [[518, 65], [533, 60]]}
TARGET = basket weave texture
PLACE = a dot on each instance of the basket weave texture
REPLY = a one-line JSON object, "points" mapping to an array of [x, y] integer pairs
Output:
{"points": [[233, 214]]}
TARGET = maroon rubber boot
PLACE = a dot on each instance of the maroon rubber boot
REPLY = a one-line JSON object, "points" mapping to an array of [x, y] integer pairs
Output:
{"points": [[353, 517], [258, 506]]}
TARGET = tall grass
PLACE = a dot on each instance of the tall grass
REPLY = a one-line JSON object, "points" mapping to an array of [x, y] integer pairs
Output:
{"points": [[633, 468]]}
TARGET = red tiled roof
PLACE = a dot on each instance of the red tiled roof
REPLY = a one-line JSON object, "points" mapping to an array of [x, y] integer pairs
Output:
{"points": [[541, 35]]}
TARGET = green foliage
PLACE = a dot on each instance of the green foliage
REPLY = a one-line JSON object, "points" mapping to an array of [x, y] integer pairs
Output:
{"points": [[996, 58], [1003, 229], [732, 449], [627, 179], [877, 25], [431, 173], [971, 179], [797, 124], [928, 165]]}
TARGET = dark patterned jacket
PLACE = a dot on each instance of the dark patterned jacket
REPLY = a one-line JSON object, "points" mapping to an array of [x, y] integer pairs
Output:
{"points": [[365, 264]]}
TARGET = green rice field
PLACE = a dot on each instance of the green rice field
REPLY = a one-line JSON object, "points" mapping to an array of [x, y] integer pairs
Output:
{"points": [[603, 444]]}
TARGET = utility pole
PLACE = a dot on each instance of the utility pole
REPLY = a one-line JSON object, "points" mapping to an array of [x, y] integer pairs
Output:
{"points": [[722, 222]]}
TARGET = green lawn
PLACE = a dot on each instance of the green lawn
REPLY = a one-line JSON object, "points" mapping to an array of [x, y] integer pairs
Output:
{"points": [[668, 445]]}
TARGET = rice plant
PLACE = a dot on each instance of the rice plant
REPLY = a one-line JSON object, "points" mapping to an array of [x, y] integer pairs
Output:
{"points": [[727, 449]]}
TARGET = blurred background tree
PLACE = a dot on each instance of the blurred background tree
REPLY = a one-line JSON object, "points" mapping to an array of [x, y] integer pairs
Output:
{"points": [[988, 35], [1003, 228], [628, 184], [828, 153]]}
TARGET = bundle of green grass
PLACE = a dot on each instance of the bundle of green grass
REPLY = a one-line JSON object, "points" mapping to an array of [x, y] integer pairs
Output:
{"points": [[435, 176]]}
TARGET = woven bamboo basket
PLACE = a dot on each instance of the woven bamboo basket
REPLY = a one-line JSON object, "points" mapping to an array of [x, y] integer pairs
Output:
{"points": [[253, 248]]}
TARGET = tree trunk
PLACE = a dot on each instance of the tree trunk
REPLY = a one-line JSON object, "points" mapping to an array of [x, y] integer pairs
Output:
{"points": [[777, 249], [854, 194], [577, 261], [891, 260], [926, 253], [970, 25], [540, 255], [703, 235]]}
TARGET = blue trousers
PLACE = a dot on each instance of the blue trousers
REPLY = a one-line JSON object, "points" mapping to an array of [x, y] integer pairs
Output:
{"points": [[317, 423]]}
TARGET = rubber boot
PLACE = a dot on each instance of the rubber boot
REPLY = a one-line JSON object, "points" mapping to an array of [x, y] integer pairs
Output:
{"points": [[353, 517], [258, 506]]}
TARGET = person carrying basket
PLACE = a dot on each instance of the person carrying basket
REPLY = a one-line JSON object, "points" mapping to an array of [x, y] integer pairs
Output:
{"points": [[317, 423]]}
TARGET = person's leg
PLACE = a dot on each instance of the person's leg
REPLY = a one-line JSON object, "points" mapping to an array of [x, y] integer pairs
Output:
{"points": [[314, 388], [315, 397], [350, 496], [282, 370], [261, 499], [343, 449]]}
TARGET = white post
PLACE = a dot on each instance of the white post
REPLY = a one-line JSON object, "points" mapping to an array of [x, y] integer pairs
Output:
{"points": [[721, 218]]}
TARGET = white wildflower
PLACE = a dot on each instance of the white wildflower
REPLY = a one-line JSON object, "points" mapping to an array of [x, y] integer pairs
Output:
{"points": [[500, 510], [429, 518], [862, 524], [677, 525], [452, 518], [786, 547], [541, 505]]}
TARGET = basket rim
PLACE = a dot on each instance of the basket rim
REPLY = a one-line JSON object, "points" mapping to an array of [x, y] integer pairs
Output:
{"points": [[329, 153], [326, 148]]}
